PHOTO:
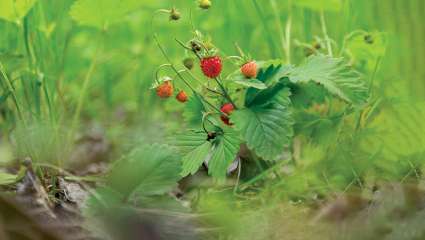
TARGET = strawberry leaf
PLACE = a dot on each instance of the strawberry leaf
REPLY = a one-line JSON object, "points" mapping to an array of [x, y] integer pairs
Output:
{"points": [[219, 152], [224, 152], [266, 128], [335, 75], [15, 10], [194, 147]]}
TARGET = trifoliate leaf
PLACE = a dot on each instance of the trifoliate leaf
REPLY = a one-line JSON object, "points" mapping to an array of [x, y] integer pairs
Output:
{"points": [[147, 170], [267, 128], [102, 13], [219, 151], [224, 152], [194, 147], [335, 75], [319, 5], [15, 10]]}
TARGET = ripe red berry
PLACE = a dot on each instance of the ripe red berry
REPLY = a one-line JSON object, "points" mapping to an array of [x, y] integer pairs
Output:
{"points": [[165, 90], [225, 120], [249, 69], [181, 96], [211, 66], [227, 109]]}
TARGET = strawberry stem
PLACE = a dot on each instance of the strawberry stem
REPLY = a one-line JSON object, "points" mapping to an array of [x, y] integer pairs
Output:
{"points": [[225, 93], [180, 76]]}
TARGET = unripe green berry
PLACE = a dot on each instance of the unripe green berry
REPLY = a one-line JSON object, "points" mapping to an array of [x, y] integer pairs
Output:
{"points": [[174, 14], [205, 4], [188, 63]]}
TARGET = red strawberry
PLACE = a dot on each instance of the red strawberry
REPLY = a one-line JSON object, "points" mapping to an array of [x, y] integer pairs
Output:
{"points": [[211, 66], [227, 109], [165, 90], [181, 96], [249, 69]]}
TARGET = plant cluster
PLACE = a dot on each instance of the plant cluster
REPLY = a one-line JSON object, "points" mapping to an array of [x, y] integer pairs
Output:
{"points": [[255, 101]]}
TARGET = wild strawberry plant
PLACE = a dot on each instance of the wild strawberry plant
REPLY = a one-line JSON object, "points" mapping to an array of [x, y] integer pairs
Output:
{"points": [[247, 111]]}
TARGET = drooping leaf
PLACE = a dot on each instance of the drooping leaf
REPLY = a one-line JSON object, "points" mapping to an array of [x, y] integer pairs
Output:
{"points": [[319, 5], [335, 75], [147, 170], [224, 152], [267, 128], [194, 147], [15, 10], [102, 13]]}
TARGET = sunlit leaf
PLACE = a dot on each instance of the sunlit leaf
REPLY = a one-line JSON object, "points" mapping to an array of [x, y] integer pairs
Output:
{"points": [[335, 75]]}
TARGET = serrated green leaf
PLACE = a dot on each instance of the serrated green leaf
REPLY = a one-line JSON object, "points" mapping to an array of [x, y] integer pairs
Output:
{"points": [[194, 148], [194, 159], [224, 152], [102, 13], [304, 95], [147, 170], [15, 10], [193, 110], [319, 5], [335, 75], [267, 129]]}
